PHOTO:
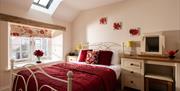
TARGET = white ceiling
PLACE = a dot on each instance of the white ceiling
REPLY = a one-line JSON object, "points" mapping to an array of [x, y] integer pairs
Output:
{"points": [[67, 10]]}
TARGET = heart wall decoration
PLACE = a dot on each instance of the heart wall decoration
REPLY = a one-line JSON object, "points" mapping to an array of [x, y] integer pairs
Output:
{"points": [[117, 25], [135, 31]]}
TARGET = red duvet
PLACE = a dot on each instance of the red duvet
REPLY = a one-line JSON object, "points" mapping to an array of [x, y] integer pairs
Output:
{"points": [[85, 78]]}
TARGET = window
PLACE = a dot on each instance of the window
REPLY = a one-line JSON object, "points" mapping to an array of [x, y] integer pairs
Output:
{"points": [[25, 40], [45, 6], [20, 48], [43, 3], [23, 47], [42, 44]]}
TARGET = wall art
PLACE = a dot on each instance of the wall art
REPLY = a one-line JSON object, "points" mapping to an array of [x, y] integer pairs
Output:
{"points": [[117, 25], [103, 20], [135, 31]]}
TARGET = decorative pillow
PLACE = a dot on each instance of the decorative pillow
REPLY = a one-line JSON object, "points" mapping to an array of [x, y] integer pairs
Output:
{"points": [[82, 55], [105, 57], [92, 57]]}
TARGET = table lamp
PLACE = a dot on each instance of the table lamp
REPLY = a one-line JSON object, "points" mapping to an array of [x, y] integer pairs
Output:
{"points": [[132, 45]]}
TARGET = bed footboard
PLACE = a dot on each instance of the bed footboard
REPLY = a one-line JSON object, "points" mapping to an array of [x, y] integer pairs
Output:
{"points": [[32, 75]]}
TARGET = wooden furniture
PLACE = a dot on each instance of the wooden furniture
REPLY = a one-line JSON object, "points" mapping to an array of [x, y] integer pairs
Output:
{"points": [[72, 58], [132, 73], [148, 80], [144, 70]]}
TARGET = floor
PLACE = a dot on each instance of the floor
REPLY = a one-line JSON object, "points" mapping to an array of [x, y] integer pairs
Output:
{"points": [[128, 89]]}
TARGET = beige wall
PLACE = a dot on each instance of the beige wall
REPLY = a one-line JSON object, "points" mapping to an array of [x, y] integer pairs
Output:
{"points": [[149, 15], [3, 55], [29, 14]]}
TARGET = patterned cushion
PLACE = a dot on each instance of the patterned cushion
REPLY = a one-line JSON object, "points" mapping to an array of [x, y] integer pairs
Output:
{"points": [[92, 57], [82, 55]]}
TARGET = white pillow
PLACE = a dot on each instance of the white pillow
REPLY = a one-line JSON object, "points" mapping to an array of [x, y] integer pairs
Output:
{"points": [[115, 57]]}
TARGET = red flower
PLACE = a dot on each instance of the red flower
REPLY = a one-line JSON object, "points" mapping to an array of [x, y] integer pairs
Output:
{"points": [[41, 31], [38, 53], [30, 31], [172, 52]]}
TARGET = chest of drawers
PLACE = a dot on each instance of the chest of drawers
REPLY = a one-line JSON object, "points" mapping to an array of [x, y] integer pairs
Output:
{"points": [[132, 73]]}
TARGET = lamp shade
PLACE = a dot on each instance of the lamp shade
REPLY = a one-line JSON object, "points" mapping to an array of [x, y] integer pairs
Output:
{"points": [[130, 44]]}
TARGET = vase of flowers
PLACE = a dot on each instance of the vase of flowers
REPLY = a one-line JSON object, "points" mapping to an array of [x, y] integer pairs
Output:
{"points": [[172, 53], [38, 54]]}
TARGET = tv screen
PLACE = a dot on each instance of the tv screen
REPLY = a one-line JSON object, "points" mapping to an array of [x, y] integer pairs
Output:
{"points": [[152, 44]]}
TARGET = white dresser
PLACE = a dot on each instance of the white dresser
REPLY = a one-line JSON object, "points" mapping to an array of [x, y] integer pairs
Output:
{"points": [[136, 71]]}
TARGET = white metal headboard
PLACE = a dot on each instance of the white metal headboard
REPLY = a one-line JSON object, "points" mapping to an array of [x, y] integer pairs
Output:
{"points": [[104, 46]]}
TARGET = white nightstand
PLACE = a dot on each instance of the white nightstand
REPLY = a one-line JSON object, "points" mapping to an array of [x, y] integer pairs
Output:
{"points": [[72, 58]]}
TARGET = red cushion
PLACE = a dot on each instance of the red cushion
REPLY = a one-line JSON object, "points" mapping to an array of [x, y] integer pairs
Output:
{"points": [[105, 57], [82, 55], [92, 57]]}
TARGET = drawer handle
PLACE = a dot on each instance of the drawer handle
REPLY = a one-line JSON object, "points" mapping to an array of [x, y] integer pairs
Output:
{"points": [[131, 64], [132, 72], [132, 82]]}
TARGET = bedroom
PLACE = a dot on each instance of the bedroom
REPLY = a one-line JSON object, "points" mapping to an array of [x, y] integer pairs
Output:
{"points": [[81, 20]]}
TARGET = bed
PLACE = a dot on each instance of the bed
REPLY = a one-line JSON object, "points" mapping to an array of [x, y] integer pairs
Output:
{"points": [[70, 76]]}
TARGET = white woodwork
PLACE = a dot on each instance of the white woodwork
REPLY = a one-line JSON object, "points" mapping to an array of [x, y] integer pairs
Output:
{"points": [[177, 76], [159, 77]]}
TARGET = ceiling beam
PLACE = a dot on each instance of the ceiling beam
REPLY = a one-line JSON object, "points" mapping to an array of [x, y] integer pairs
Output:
{"points": [[15, 19]]}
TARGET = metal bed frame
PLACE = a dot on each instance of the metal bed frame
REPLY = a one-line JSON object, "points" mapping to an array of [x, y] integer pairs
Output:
{"points": [[101, 45], [33, 75]]}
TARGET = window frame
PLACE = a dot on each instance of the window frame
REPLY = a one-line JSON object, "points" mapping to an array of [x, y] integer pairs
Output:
{"points": [[31, 49], [20, 51], [47, 6]]}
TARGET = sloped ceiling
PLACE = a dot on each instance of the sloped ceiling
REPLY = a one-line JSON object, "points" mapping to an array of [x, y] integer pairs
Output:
{"points": [[67, 10]]}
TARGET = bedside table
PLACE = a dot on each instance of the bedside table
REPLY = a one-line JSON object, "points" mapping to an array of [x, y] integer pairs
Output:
{"points": [[72, 58]]}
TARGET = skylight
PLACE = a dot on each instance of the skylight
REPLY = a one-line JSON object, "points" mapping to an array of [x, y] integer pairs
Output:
{"points": [[43, 3], [46, 6]]}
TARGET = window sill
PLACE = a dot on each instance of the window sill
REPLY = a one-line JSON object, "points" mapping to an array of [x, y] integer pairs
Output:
{"points": [[20, 65]]}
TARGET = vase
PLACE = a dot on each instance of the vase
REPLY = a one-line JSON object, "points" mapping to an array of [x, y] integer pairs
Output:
{"points": [[172, 56], [38, 60]]}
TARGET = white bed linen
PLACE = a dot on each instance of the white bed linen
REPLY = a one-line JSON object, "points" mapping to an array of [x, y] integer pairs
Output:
{"points": [[115, 67]]}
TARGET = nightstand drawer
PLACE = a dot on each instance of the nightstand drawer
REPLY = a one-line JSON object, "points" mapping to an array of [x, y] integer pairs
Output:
{"points": [[132, 82], [132, 63], [71, 58]]}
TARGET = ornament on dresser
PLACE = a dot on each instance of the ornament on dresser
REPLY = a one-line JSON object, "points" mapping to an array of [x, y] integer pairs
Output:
{"points": [[38, 54], [171, 53]]}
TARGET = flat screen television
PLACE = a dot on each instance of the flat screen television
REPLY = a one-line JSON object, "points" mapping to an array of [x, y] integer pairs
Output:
{"points": [[153, 43]]}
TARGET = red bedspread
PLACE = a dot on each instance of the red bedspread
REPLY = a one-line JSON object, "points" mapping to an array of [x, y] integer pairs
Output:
{"points": [[85, 78]]}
